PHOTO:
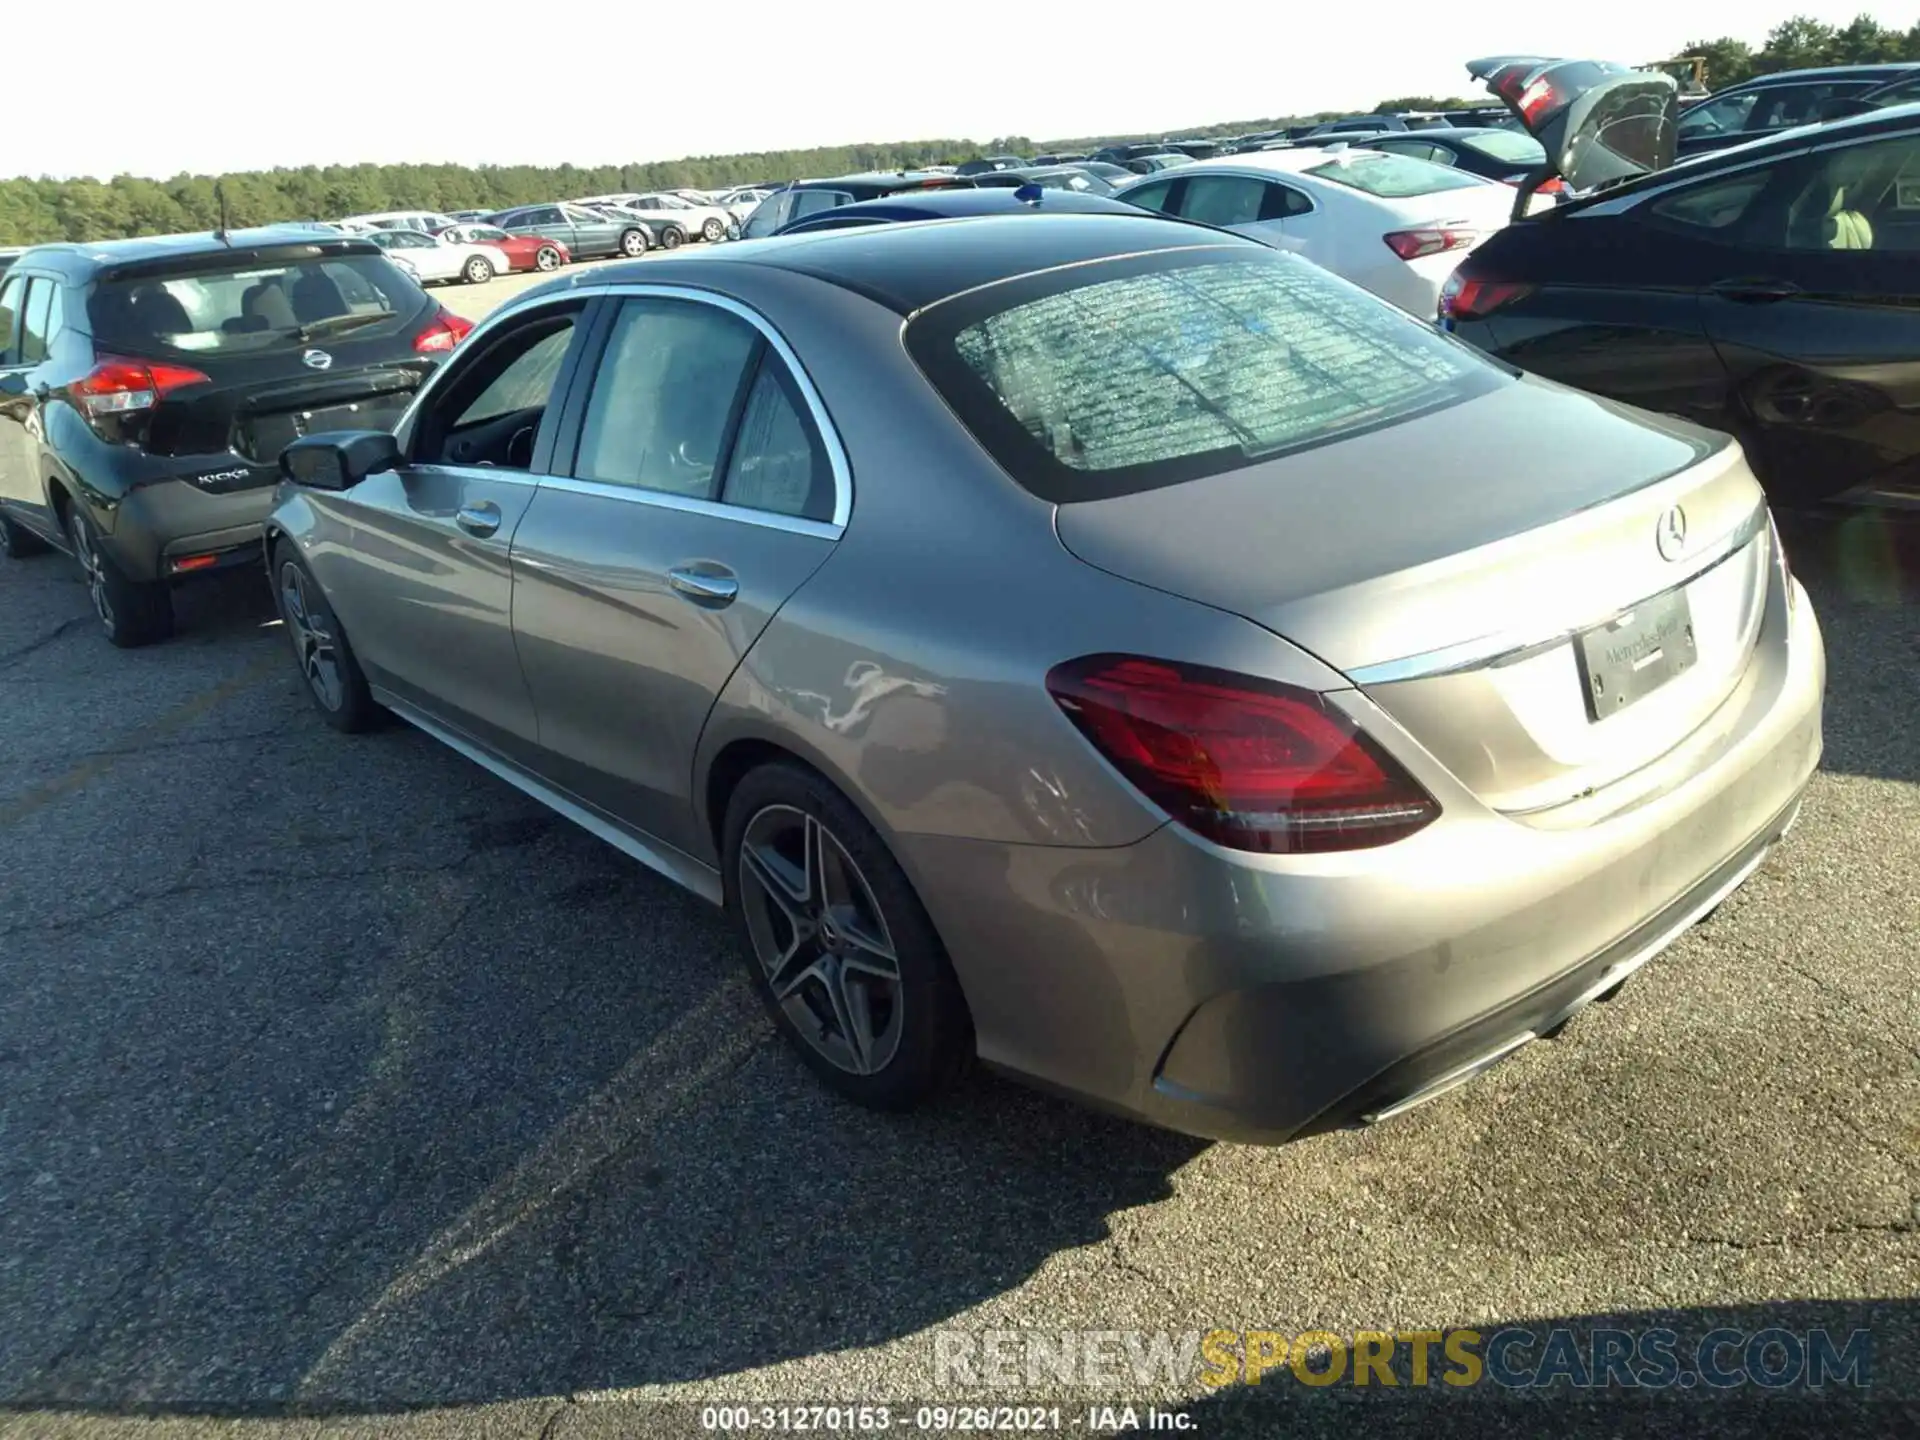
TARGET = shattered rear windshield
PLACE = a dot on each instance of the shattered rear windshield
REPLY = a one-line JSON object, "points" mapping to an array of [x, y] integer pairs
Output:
{"points": [[1104, 379]]}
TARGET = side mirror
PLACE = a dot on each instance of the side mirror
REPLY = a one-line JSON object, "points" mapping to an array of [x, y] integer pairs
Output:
{"points": [[339, 460]]}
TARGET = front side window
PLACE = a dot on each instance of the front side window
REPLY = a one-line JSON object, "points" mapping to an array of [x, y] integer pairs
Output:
{"points": [[668, 388], [768, 216], [489, 409], [1104, 379]]}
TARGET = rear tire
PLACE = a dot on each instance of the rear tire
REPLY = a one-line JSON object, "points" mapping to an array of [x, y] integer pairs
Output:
{"points": [[866, 994], [332, 676], [712, 231], [132, 613], [671, 237], [479, 270], [17, 542], [633, 243]]}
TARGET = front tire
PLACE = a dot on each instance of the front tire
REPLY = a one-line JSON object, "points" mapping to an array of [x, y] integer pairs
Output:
{"points": [[839, 947], [671, 237], [633, 243], [712, 230], [333, 678], [132, 613], [548, 259], [479, 270]]}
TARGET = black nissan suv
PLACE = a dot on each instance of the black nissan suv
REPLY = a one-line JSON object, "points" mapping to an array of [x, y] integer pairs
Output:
{"points": [[148, 386]]}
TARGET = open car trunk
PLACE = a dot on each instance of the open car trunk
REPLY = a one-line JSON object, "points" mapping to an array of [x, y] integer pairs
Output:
{"points": [[1600, 123]]}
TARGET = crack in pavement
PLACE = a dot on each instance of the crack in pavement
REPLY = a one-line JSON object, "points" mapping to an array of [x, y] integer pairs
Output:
{"points": [[35, 646], [1808, 1237]]}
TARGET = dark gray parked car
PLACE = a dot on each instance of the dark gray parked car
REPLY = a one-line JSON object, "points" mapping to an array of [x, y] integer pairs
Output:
{"points": [[586, 233], [1107, 647]]}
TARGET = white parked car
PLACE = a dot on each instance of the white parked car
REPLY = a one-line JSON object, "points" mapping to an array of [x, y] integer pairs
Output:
{"points": [[431, 258], [662, 207], [428, 222], [1389, 223]]}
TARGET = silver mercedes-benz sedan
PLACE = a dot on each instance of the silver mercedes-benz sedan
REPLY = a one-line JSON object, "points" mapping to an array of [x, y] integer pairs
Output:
{"points": [[1095, 644]]}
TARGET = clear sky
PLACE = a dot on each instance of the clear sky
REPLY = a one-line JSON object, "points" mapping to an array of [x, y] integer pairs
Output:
{"points": [[217, 85]]}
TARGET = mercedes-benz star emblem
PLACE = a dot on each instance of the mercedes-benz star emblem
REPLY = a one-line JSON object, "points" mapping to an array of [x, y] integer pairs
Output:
{"points": [[1671, 536], [317, 360]]}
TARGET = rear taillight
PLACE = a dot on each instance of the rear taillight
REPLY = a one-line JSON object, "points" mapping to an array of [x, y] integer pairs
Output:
{"points": [[118, 386], [1464, 298], [1413, 244], [1246, 763], [446, 331]]}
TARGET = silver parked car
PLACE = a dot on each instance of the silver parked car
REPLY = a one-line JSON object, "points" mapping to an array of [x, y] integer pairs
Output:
{"points": [[1099, 645]]}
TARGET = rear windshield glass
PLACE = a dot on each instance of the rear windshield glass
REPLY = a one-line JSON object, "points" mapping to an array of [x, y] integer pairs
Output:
{"points": [[1392, 177], [1105, 379], [1507, 145], [254, 305]]}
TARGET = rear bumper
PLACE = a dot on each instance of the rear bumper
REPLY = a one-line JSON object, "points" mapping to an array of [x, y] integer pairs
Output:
{"points": [[1260, 998], [157, 525]]}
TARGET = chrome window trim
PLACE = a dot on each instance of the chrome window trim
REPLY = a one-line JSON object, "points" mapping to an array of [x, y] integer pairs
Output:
{"points": [[689, 505], [1511, 646]]}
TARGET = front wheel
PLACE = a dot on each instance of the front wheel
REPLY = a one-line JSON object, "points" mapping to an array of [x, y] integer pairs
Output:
{"points": [[671, 237], [712, 230], [132, 613], [479, 270], [633, 244], [840, 950], [332, 675], [547, 259]]}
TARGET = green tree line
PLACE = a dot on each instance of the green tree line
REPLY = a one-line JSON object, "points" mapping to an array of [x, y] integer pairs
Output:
{"points": [[36, 211]]}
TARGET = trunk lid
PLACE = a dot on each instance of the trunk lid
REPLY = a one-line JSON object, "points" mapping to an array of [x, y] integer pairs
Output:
{"points": [[1601, 123], [1477, 623]]}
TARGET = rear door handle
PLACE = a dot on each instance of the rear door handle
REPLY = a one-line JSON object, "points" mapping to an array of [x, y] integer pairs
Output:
{"points": [[482, 519], [1755, 291], [712, 588]]}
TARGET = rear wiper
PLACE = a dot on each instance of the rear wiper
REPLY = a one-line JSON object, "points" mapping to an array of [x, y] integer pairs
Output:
{"points": [[334, 324]]}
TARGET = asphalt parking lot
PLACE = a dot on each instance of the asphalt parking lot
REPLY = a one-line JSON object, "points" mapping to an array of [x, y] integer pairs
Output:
{"points": [[340, 1082]]}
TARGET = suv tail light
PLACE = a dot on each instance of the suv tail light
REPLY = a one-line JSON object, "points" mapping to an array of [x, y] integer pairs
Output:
{"points": [[1246, 763], [1412, 244], [446, 331], [1463, 298], [118, 386]]}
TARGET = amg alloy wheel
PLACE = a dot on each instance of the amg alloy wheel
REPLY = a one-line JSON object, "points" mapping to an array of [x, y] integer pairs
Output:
{"points": [[327, 665], [839, 947], [821, 938]]}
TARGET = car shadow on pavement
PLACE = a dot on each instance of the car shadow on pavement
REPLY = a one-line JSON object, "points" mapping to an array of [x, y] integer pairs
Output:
{"points": [[467, 1108], [1881, 1397], [1860, 570]]}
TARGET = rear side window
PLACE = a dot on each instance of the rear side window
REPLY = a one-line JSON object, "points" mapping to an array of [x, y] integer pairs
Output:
{"points": [[41, 323], [1392, 177], [812, 202], [1102, 380], [254, 306], [12, 294], [1510, 146]]}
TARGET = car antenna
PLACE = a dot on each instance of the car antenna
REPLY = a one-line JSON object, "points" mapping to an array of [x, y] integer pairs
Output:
{"points": [[220, 198]]}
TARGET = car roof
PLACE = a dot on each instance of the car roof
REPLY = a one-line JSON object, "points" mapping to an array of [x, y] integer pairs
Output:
{"points": [[1446, 132], [92, 255], [992, 200], [1289, 162], [908, 267], [1892, 70]]}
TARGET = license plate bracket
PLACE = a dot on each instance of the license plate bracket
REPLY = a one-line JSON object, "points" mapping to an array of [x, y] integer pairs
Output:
{"points": [[1635, 653]]}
